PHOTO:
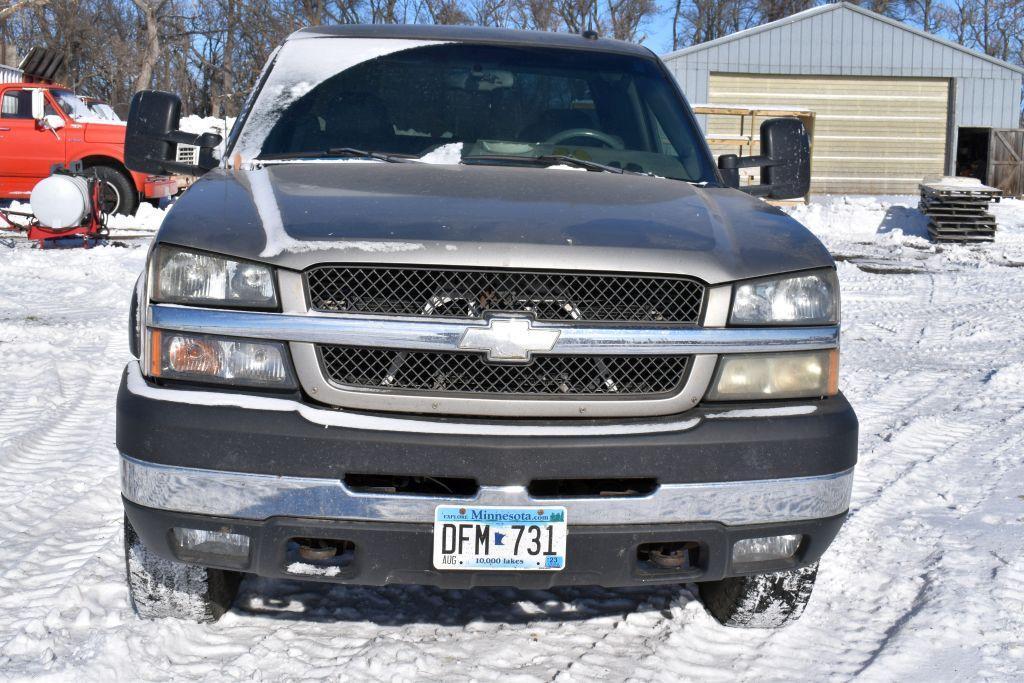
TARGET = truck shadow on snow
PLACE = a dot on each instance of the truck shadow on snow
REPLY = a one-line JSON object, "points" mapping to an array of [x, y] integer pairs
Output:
{"points": [[406, 605], [908, 219]]}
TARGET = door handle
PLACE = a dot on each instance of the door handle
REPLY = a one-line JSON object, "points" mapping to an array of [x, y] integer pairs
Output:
{"points": [[4, 128]]}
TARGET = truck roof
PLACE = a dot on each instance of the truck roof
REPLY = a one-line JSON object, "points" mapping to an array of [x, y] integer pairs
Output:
{"points": [[474, 34]]}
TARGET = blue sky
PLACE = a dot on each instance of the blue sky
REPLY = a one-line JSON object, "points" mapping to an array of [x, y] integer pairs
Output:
{"points": [[659, 32]]}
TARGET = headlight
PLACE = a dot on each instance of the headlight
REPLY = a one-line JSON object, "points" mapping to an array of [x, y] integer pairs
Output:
{"points": [[190, 277], [803, 374], [799, 299], [220, 360]]}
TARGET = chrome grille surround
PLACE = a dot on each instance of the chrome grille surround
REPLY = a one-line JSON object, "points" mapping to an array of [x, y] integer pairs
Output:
{"points": [[551, 377], [472, 293], [304, 329]]}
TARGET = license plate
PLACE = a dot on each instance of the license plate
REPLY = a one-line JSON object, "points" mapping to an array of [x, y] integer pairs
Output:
{"points": [[503, 538]]}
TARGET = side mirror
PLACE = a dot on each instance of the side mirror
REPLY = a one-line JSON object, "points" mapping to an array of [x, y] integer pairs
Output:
{"points": [[785, 161], [152, 139], [38, 105], [52, 122]]}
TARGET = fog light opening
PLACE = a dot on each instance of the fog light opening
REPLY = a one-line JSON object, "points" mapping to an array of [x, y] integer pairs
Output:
{"points": [[204, 542], [766, 548]]}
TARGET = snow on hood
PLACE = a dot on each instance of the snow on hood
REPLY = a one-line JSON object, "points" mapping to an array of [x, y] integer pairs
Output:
{"points": [[276, 237]]}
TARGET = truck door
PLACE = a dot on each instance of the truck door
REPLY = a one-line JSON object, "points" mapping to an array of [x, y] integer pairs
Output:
{"points": [[27, 150]]}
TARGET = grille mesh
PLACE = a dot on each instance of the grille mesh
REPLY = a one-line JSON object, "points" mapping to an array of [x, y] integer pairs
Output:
{"points": [[471, 293], [470, 373]]}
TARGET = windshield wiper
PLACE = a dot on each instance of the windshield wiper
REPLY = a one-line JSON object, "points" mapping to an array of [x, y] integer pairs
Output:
{"points": [[550, 160], [339, 152]]}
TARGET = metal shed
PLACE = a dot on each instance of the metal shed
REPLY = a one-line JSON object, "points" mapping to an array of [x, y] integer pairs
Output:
{"points": [[890, 100]]}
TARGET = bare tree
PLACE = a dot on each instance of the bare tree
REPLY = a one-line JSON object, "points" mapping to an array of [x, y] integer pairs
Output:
{"points": [[446, 12], [625, 17], [539, 15], [211, 52], [579, 15], [925, 13], [699, 21], [13, 7], [773, 10], [151, 11]]}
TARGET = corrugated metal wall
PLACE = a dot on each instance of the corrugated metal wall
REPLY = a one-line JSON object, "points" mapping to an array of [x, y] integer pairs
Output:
{"points": [[8, 74], [843, 40]]}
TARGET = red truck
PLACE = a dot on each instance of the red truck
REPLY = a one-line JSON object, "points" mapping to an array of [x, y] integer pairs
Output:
{"points": [[44, 124]]}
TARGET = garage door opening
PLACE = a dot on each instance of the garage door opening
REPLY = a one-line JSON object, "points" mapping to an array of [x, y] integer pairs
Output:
{"points": [[995, 156], [972, 153]]}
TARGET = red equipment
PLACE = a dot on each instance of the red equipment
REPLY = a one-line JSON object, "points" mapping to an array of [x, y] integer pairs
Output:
{"points": [[58, 220]]}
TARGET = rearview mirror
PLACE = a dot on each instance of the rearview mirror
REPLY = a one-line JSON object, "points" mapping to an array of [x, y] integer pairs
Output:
{"points": [[38, 105], [785, 162], [152, 138]]}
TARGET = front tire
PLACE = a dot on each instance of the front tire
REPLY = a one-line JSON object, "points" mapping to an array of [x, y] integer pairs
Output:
{"points": [[161, 588], [118, 194], [760, 601]]}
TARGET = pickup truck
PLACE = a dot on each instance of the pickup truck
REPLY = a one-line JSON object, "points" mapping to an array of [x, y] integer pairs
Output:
{"points": [[43, 125], [475, 307]]}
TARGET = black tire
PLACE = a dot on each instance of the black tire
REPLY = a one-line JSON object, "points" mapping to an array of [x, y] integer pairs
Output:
{"points": [[161, 588], [118, 194], [761, 601]]}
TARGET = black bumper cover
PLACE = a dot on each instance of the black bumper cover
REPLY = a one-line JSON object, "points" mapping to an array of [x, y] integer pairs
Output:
{"points": [[400, 553]]}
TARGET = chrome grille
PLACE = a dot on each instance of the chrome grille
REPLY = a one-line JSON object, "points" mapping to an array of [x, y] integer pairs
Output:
{"points": [[469, 373], [472, 293]]}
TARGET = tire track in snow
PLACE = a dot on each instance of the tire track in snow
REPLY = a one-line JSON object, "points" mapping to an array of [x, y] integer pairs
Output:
{"points": [[48, 470], [907, 461]]}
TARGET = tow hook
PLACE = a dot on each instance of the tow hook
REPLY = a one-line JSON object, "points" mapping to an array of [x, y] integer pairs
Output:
{"points": [[670, 555], [318, 552]]}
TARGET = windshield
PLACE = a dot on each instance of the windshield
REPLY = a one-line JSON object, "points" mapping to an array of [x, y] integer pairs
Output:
{"points": [[496, 102], [72, 104], [103, 111]]}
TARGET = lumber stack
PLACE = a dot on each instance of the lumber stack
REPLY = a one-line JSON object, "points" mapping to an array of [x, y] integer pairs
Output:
{"points": [[957, 209]]}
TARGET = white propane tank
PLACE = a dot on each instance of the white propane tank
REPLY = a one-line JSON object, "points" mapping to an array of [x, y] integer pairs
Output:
{"points": [[60, 201]]}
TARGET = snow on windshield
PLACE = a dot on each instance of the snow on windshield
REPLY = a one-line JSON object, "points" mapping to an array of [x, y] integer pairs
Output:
{"points": [[301, 65], [73, 105]]}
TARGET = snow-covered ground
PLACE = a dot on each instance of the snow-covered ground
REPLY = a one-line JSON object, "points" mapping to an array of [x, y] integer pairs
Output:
{"points": [[925, 582]]}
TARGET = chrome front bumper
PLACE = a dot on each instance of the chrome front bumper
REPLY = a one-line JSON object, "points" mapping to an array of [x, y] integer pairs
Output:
{"points": [[261, 496]]}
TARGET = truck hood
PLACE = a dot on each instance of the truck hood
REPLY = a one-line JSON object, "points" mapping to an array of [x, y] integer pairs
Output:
{"points": [[100, 131], [296, 215]]}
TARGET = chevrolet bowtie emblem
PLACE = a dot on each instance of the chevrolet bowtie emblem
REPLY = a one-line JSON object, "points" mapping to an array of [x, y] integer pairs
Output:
{"points": [[509, 339]]}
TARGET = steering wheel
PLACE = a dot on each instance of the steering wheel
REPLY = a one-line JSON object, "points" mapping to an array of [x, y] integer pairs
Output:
{"points": [[571, 133]]}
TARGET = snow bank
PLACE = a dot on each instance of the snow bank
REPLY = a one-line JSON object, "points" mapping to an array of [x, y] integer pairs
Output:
{"points": [[146, 219], [891, 229], [207, 124]]}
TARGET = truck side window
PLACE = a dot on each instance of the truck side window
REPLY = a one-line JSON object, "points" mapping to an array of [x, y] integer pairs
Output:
{"points": [[17, 104]]}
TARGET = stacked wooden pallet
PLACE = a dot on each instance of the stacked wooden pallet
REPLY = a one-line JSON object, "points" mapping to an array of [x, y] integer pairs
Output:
{"points": [[957, 209]]}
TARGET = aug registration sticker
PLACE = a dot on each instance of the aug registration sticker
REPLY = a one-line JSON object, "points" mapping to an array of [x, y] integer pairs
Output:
{"points": [[503, 538]]}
